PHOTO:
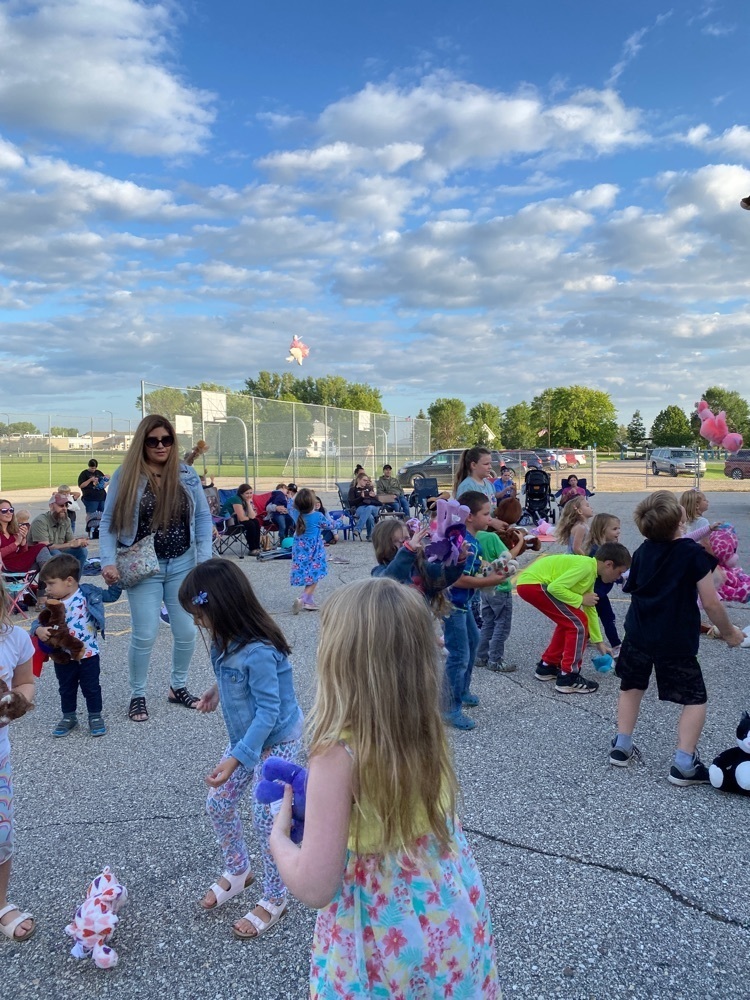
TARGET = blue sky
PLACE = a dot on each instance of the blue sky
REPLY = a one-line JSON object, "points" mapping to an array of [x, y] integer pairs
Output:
{"points": [[476, 200]]}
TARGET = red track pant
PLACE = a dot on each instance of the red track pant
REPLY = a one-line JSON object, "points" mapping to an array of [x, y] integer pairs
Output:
{"points": [[571, 633]]}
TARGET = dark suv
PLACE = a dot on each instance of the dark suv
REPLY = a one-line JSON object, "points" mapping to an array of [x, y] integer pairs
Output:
{"points": [[442, 465], [738, 466]]}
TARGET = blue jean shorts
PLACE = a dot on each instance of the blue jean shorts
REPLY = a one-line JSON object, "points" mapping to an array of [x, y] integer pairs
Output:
{"points": [[6, 811]]}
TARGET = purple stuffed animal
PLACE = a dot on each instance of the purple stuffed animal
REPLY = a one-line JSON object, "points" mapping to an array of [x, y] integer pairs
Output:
{"points": [[277, 773]]}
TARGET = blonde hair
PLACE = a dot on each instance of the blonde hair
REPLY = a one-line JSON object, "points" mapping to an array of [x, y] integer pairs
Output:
{"points": [[598, 528], [383, 539], [167, 489], [658, 516], [6, 623], [380, 680], [689, 501], [23, 516], [570, 517]]}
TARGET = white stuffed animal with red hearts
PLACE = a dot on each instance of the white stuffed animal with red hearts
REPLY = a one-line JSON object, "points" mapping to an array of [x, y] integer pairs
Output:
{"points": [[95, 920]]}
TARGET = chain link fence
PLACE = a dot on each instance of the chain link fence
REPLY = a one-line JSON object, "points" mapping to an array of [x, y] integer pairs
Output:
{"points": [[266, 441]]}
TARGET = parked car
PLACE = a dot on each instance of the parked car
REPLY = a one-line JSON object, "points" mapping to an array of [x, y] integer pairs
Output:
{"points": [[547, 457], [442, 465], [575, 458], [521, 461], [738, 466], [676, 462]]}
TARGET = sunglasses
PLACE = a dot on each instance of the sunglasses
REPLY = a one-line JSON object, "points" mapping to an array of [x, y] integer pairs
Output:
{"points": [[154, 442], [7, 510]]}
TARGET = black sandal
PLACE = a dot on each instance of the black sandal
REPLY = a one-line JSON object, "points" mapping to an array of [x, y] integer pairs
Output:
{"points": [[138, 707], [182, 697]]}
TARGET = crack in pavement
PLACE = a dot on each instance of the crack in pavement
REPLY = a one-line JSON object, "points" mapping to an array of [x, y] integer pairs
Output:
{"points": [[653, 880]]}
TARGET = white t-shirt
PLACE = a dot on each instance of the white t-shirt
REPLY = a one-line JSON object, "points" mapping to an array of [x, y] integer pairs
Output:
{"points": [[15, 648]]}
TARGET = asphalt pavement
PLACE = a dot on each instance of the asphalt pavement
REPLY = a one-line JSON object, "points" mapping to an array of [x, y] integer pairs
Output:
{"points": [[604, 882]]}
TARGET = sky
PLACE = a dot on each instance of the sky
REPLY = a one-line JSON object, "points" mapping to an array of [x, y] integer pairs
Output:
{"points": [[477, 200]]}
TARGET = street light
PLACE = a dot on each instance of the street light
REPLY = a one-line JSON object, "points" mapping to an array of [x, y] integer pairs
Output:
{"points": [[111, 423]]}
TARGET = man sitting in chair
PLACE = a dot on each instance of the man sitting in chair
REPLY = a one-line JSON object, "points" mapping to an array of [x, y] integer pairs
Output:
{"points": [[54, 529], [388, 487]]}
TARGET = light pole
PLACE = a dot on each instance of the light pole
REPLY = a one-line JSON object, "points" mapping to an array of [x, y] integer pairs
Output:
{"points": [[381, 430], [244, 428], [111, 423]]}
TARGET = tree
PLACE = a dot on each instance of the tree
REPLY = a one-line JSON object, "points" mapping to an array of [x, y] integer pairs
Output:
{"points": [[671, 428], [421, 415], [482, 416], [22, 427], [517, 429], [64, 431], [636, 430], [576, 415], [269, 385], [449, 424], [329, 390]]}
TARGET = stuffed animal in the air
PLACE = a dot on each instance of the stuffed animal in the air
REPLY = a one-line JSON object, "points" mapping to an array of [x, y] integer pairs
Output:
{"points": [[60, 645], [277, 773], [714, 428], [510, 511], [723, 542], [730, 771], [95, 920], [447, 533], [12, 704]]}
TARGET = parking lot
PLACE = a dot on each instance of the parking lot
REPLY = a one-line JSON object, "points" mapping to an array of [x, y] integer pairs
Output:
{"points": [[603, 882]]}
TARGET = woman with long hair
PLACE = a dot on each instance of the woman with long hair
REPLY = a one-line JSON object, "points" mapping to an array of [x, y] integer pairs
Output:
{"points": [[154, 493], [17, 554]]}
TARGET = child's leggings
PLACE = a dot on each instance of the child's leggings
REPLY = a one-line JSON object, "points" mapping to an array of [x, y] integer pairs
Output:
{"points": [[223, 808], [571, 633], [605, 612], [6, 811]]}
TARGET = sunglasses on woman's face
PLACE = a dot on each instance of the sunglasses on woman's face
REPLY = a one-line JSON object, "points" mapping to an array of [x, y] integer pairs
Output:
{"points": [[7, 510], [154, 442]]}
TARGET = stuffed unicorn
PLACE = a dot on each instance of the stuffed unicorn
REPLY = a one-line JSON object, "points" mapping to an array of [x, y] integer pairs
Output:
{"points": [[447, 533], [714, 428], [95, 920]]}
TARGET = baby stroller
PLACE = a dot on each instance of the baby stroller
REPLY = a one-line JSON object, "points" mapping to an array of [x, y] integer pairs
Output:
{"points": [[537, 498], [93, 521]]}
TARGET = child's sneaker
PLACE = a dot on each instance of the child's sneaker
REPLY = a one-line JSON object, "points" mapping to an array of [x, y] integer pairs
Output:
{"points": [[574, 683], [621, 758], [296, 606], [66, 725], [501, 667], [469, 699], [458, 720], [96, 725], [545, 671], [697, 775]]}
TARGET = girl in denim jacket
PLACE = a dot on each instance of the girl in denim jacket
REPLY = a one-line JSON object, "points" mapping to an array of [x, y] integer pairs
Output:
{"points": [[254, 685]]}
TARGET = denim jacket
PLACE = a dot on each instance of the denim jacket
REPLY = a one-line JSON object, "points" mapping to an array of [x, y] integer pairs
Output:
{"points": [[96, 598], [201, 524], [256, 691]]}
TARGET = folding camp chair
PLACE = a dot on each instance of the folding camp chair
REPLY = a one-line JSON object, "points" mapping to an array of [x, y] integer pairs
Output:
{"points": [[349, 517], [424, 490], [19, 585]]}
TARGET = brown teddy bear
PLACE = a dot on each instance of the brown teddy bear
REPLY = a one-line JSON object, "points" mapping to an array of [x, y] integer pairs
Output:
{"points": [[510, 511], [12, 704], [62, 646]]}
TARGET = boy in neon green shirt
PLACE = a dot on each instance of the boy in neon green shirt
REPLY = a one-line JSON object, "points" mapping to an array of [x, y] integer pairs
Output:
{"points": [[562, 588]]}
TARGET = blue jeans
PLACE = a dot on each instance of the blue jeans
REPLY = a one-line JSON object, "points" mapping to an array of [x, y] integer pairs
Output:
{"points": [[461, 640], [145, 601], [92, 506], [80, 552], [366, 518], [283, 522]]}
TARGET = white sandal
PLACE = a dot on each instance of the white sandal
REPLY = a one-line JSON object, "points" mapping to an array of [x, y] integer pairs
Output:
{"points": [[237, 884], [277, 911], [9, 929]]}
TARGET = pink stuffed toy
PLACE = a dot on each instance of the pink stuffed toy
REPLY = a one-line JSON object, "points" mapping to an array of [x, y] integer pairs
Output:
{"points": [[714, 428], [447, 533], [95, 920], [736, 585]]}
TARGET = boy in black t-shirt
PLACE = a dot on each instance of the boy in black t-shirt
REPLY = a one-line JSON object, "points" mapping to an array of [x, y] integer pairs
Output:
{"points": [[662, 628]]}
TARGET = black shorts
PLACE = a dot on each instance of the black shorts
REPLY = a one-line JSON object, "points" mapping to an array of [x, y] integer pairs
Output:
{"points": [[678, 678]]}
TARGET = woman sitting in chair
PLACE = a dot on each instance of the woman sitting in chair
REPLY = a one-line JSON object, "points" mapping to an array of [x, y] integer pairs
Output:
{"points": [[364, 503], [240, 508], [16, 554], [572, 490]]}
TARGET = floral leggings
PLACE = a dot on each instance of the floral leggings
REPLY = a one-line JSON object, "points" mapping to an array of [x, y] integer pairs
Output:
{"points": [[223, 808], [6, 811]]}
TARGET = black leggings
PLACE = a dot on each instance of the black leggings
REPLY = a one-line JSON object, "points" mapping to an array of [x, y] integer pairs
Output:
{"points": [[252, 533]]}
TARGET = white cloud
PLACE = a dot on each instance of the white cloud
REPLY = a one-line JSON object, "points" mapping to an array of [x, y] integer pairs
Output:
{"points": [[97, 70]]}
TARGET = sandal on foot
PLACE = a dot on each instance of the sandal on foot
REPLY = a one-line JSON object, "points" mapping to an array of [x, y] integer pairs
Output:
{"points": [[182, 696], [138, 708], [237, 884], [9, 929], [66, 725], [276, 910]]}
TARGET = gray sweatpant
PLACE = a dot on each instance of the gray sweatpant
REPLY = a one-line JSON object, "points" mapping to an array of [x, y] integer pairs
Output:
{"points": [[497, 612]]}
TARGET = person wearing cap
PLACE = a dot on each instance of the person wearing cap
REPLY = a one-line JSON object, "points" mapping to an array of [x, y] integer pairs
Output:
{"points": [[54, 529], [74, 507], [505, 488], [387, 485]]}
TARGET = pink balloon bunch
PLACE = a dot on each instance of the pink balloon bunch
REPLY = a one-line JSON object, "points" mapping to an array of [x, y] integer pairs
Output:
{"points": [[714, 428]]}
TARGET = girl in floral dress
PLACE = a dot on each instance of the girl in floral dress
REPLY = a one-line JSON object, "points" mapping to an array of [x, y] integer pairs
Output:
{"points": [[308, 552], [403, 912]]}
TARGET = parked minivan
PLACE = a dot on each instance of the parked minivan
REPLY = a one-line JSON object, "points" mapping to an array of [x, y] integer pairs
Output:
{"points": [[442, 465], [738, 466]]}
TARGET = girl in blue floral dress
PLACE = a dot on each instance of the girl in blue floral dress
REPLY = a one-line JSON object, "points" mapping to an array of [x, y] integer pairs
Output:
{"points": [[402, 909], [308, 552]]}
